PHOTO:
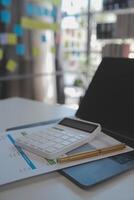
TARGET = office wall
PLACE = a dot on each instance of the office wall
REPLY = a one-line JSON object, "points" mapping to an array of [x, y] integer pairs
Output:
{"points": [[27, 49]]}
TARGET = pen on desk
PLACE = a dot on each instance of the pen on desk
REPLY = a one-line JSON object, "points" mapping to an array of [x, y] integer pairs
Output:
{"points": [[90, 154]]}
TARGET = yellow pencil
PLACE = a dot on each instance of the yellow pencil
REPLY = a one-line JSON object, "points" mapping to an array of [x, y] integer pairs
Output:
{"points": [[90, 154]]}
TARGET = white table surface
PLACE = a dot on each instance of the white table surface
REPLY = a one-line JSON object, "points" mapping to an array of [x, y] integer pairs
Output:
{"points": [[18, 111]]}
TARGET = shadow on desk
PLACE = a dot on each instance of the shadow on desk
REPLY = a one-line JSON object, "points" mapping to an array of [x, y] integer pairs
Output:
{"points": [[52, 177]]}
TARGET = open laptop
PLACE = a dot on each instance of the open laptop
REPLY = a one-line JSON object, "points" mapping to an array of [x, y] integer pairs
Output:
{"points": [[109, 100]]}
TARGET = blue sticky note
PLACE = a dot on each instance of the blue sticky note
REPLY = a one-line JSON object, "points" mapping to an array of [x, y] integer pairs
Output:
{"points": [[46, 12], [5, 16], [43, 38], [30, 9], [20, 49], [6, 2], [38, 11], [18, 30], [53, 12]]}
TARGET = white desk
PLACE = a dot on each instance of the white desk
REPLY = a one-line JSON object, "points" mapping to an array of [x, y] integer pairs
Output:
{"points": [[16, 111]]}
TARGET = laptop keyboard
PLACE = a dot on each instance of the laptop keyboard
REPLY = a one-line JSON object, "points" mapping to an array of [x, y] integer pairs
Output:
{"points": [[124, 158]]}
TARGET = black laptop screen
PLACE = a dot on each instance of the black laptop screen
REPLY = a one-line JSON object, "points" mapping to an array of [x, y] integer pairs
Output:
{"points": [[109, 99]]}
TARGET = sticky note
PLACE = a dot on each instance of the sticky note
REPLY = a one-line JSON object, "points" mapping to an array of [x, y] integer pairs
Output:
{"points": [[38, 11], [3, 39], [43, 38], [11, 65], [20, 49], [5, 2], [29, 9], [36, 52], [1, 54], [29, 23], [53, 50], [35, 10], [46, 12], [5, 16], [53, 13], [18, 30], [56, 2], [12, 39]]}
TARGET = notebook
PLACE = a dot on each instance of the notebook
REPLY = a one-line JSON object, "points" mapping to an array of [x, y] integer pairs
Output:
{"points": [[109, 100]]}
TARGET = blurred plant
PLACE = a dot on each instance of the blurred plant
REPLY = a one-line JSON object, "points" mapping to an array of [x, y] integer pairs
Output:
{"points": [[78, 83]]}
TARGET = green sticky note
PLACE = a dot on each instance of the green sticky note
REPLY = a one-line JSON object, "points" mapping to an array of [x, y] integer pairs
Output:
{"points": [[12, 39], [53, 50], [29, 23], [36, 52], [11, 65], [1, 54], [56, 2]]}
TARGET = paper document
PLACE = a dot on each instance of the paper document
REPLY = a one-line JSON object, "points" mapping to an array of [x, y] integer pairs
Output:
{"points": [[18, 164]]}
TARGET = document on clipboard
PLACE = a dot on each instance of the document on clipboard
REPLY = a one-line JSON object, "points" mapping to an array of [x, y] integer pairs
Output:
{"points": [[18, 164]]}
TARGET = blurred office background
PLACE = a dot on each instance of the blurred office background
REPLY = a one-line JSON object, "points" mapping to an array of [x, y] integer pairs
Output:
{"points": [[50, 49]]}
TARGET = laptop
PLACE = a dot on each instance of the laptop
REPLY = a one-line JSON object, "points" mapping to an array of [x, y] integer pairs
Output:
{"points": [[109, 100]]}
